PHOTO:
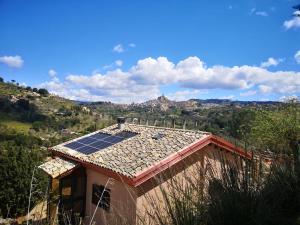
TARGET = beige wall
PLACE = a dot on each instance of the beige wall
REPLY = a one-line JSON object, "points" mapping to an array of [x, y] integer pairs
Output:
{"points": [[193, 168], [129, 205], [122, 201]]}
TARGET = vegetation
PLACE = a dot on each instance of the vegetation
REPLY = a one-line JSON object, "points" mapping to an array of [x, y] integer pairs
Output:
{"points": [[279, 131], [32, 119], [19, 155], [235, 198]]}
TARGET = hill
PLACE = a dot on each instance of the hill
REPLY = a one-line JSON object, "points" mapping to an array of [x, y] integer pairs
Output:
{"points": [[35, 111]]}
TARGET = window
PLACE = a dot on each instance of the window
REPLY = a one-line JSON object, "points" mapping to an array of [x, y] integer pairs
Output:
{"points": [[99, 191]]}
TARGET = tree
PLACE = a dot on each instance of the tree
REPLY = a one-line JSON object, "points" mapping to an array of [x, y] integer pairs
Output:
{"points": [[279, 130], [19, 155], [240, 124], [28, 88], [1, 80], [43, 91]]}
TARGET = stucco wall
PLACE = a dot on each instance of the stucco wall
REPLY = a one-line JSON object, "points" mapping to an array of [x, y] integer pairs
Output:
{"points": [[129, 204], [122, 201], [196, 168]]}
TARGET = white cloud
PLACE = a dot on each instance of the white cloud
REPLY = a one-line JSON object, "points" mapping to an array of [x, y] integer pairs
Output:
{"points": [[289, 98], [297, 13], [230, 97], [292, 23], [12, 61], [248, 93], [261, 13], [297, 57], [143, 80], [271, 62], [132, 45], [253, 11], [119, 62], [52, 73], [183, 95], [118, 48]]}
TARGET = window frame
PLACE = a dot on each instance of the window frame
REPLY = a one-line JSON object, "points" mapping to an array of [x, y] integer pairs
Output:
{"points": [[105, 201]]}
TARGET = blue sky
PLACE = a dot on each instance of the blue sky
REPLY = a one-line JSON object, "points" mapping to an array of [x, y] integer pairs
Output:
{"points": [[131, 51]]}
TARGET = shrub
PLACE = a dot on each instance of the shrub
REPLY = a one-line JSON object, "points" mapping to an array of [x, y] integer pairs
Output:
{"points": [[237, 197], [43, 92]]}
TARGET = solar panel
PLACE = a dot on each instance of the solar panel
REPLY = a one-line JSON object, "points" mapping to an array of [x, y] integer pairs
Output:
{"points": [[98, 141], [113, 139], [87, 149], [74, 145], [99, 136], [100, 144], [86, 140]]}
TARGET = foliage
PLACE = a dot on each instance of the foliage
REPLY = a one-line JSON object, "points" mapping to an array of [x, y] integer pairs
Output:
{"points": [[43, 91], [235, 198], [277, 129], [240, 125], [19, 155]]}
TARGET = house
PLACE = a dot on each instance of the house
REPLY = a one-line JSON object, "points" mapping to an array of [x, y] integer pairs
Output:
{"points": [[104, 176]]}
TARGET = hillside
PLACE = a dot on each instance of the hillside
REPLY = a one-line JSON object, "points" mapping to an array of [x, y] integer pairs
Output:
{"points": [[38, 113]]}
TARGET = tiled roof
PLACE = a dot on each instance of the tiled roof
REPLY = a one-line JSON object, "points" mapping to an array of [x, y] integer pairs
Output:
{"points": [[57, 166], [135, 154]]}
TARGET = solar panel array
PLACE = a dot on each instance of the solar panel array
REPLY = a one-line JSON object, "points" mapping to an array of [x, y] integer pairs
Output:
{"points": [[98, 141]]}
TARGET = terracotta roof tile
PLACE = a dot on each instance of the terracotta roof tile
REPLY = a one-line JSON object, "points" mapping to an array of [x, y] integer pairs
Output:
{"points": [[57, 166], [135, 154]]}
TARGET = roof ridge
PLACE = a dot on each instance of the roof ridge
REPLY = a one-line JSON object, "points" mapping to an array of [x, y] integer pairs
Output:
{"points": [[169, 128]]}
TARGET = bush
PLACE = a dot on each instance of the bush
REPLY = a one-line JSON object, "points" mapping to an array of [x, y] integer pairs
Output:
{"points": [[16, 168], [37, 125], [236, 198], [43, 92], [19, 155]]}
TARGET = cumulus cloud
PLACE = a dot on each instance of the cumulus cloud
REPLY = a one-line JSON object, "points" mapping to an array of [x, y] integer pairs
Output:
{"points": [[292, 23], [248, 93], [119, 62], [183, 95], [289, 98], [261, 13], [253, 11], [271, 62], [297, 57], [118, 48], [12, 61], [52, 73], [230, 97], [143, 80]]}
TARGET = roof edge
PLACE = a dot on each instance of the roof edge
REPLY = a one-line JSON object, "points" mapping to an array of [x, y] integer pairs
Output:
{"points": [[102, 170], [162, 165], [185, 152]]}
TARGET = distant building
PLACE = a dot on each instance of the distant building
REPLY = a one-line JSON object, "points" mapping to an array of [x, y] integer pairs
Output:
{"points": [[104, 176]]}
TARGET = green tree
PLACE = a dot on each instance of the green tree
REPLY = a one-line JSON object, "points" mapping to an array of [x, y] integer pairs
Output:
{"points": [[279, 130], [240, 125], [43, 91]]}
